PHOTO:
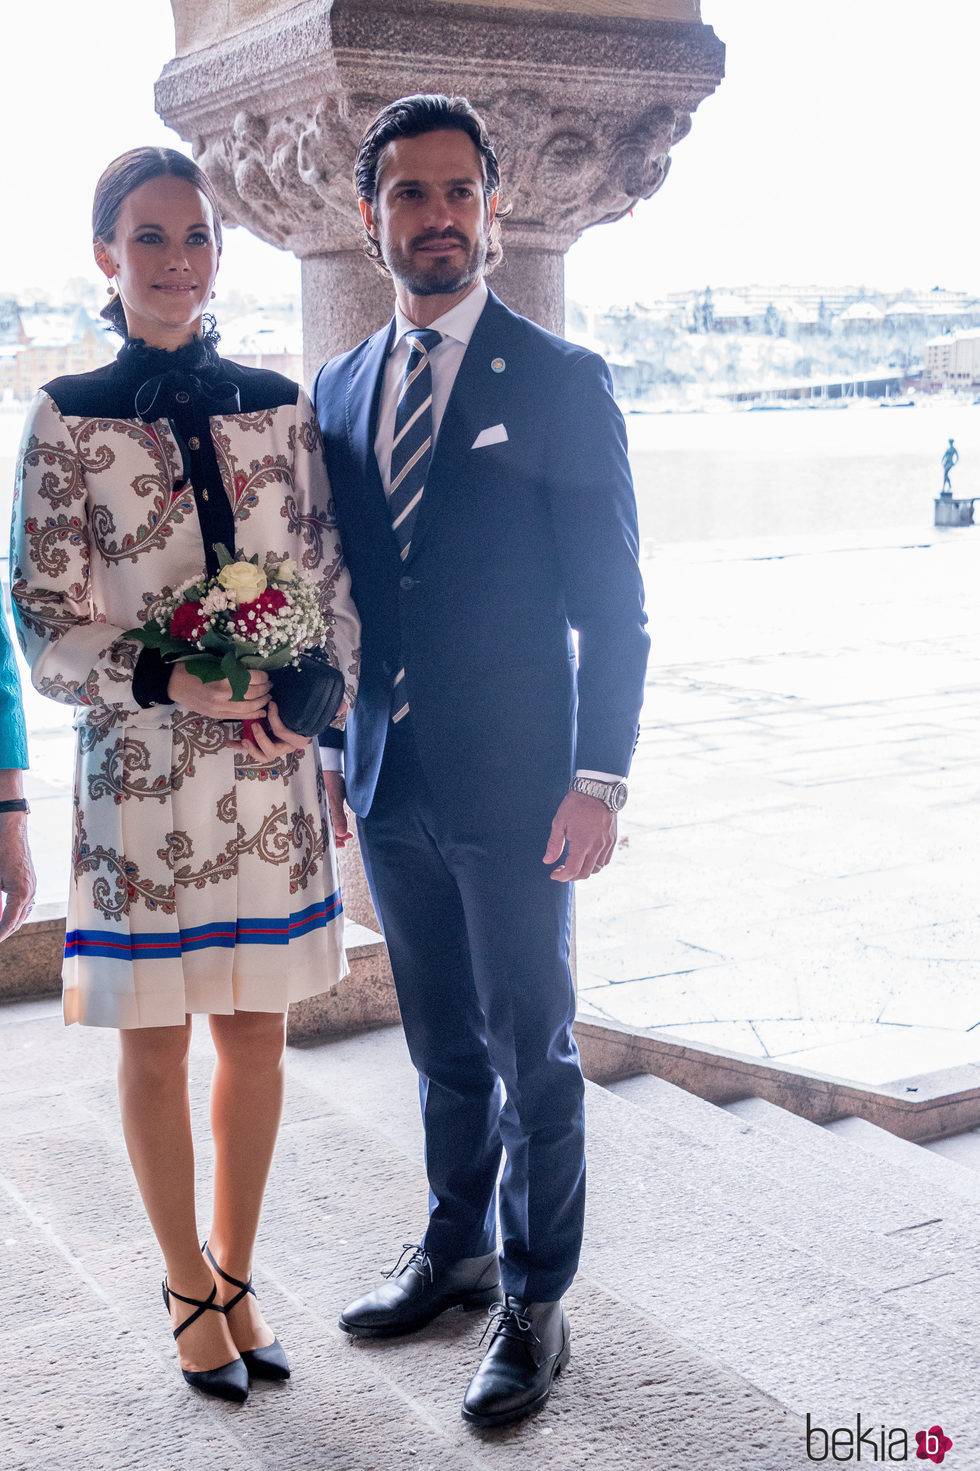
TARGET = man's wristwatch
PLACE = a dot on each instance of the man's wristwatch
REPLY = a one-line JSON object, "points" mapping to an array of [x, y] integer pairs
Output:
{"points": [[612, 793], [14, 804]]}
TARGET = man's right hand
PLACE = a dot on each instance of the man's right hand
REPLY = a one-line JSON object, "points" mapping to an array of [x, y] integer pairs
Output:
{"points": [[337, 802], [215, 699]]}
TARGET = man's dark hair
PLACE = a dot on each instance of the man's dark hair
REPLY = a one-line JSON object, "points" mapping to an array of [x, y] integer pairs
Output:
{"points": [[410, 117]]}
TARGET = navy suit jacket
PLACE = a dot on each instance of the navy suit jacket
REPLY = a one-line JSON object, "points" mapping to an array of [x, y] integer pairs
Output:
{"points": [[515, 544]]}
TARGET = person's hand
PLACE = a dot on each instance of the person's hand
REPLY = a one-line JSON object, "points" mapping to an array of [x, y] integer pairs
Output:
{"points": [[589, 829], [17, 879], [215, 699], [270, 740], [337, 802]]}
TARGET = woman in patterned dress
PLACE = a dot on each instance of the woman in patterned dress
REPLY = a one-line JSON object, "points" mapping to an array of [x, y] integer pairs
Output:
{"points": [[203, 869]]}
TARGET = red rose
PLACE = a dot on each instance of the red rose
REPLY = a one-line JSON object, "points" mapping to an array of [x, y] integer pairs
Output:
{"points": [[249, 615], [187, 622], [270, 601]]}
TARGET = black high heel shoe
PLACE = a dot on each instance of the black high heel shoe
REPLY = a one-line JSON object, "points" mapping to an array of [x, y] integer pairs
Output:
{"points": [[269, 1362], [230, 1381]]}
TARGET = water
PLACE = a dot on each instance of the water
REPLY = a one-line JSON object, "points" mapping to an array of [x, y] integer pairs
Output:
{"points": [[793, 473], [720, 477], [737, 476]]}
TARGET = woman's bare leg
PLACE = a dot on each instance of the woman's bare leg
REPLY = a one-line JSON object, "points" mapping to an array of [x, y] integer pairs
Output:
{"points": [[156, 1122], [246, 1106]]}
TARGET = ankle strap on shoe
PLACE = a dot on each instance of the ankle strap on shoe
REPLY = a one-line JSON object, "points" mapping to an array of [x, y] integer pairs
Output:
{"points": [[201, 1304], [245, 1287]]}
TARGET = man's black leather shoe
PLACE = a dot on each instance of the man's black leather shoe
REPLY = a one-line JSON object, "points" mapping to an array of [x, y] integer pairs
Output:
{"points": [[531, 1343], [420, 1291]]}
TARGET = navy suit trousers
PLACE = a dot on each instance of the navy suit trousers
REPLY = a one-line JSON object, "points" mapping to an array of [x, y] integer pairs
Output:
{"points": [[478, 935]]}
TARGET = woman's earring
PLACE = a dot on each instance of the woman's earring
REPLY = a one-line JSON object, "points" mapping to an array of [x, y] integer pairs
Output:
{"points": [[212, 295]]}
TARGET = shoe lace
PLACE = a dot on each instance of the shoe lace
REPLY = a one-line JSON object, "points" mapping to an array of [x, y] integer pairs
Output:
{"points": [[504, 1319], [419, 1260]]}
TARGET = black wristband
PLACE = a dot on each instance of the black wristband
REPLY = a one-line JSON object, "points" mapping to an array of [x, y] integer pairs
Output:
{"points": [[150, 679], [14, 804]]}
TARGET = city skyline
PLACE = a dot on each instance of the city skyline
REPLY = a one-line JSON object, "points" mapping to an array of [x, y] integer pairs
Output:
{"points": [[845, 166]]}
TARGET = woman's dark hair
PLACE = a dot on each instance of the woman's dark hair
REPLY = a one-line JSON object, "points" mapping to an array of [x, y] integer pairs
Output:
{"points": [[123, 175], [409, 117]]}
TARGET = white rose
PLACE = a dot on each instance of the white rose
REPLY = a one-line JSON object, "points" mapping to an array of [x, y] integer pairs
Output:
{"points": [[243, 580], [286, 571]]}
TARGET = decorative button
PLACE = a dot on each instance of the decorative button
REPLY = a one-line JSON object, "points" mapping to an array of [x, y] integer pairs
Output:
{"points": [[182, 397], [498, 365], [204, 495], [406, 584], [194, 442]]}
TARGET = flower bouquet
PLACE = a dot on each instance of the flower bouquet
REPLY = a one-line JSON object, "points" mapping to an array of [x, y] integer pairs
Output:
{"points": [[251, 617]]}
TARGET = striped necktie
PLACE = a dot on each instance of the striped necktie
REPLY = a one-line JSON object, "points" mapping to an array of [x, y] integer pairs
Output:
{"points": [[411, 451]]}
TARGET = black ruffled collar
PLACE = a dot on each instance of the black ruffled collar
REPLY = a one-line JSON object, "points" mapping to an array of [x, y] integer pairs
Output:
{"points": [[156, 376], [137, 361]]}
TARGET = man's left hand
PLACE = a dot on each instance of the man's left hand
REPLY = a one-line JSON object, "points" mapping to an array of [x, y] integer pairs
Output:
{"points": [[589, 829]]}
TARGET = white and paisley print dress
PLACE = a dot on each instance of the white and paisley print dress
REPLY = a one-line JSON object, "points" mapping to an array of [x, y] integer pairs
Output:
{"points": [[201, 882]]}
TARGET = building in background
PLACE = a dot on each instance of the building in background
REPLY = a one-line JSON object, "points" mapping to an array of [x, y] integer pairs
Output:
{"points": [[41, 341], [953, 361], [37, 345]]}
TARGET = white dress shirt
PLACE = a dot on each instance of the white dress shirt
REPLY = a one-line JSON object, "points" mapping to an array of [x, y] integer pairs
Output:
{"points": [[457, 326]]}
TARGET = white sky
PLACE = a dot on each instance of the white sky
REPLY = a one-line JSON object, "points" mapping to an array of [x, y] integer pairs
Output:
{"points": [[840, 148]]}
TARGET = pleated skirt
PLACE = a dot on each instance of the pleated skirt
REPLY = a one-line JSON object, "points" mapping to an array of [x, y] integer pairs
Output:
{"points": [[201, 882]]}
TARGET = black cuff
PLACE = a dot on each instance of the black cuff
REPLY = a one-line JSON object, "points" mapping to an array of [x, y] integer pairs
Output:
{"points": [[150, 679], [331, 737]]}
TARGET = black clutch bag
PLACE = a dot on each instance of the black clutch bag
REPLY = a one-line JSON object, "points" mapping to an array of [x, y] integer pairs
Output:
{"points": [[308, 696]]}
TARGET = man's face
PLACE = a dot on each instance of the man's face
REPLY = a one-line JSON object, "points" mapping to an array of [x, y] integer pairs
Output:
{"points": [[431, 217]]}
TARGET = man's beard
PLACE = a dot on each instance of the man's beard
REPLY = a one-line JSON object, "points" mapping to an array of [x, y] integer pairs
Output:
{"points": [[442, 275]]}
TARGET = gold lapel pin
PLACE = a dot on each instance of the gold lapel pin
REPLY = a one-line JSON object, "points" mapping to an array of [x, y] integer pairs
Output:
{"points": [[498, 365]]}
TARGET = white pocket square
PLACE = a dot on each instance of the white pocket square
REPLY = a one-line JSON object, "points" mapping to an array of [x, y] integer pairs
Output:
{"points": [[496, 434]]}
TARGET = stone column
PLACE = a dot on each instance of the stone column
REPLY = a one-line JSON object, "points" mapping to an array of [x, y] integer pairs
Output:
{"points": [[584, 101]]}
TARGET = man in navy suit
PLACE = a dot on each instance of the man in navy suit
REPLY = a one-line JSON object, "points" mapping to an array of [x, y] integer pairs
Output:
{"points": [[486, 507]]}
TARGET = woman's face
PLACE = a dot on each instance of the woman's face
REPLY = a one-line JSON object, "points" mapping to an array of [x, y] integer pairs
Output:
{"points": [[164, 258]]}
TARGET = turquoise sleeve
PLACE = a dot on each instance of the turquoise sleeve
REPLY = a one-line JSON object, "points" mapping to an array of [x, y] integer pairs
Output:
{"points": [[13, 732]]}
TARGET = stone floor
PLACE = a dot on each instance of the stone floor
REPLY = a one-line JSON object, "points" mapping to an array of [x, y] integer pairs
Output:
{"points": [[797, 870], [797, 875], [737, 1277]]}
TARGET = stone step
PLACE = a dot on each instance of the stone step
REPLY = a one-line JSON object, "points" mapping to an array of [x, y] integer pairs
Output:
{"points": [[962, 1150], [83, 1325], [363, 999], [934, 1169], [837, 1178], [722, 1242]]}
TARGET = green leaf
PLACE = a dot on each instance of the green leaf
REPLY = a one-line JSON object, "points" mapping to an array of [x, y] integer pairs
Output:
{"points": [[223, 554], [151, 634], [206, 669], [276, 660], [172, 648], [236, 675]]}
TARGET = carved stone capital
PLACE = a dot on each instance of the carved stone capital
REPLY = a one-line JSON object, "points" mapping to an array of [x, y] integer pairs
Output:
{"points": [[583, 110]]}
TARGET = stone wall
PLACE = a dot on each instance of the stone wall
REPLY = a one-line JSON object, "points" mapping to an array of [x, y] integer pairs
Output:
{"points": [[201, 23]]}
